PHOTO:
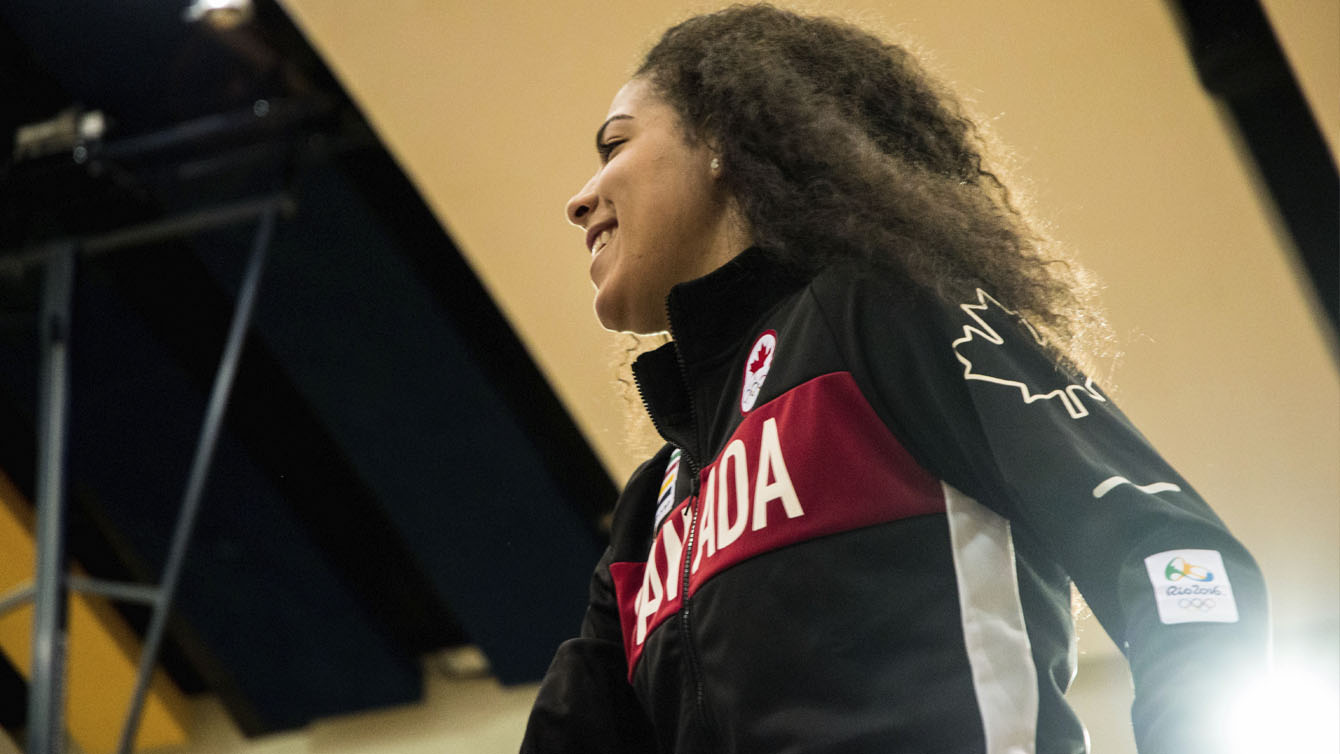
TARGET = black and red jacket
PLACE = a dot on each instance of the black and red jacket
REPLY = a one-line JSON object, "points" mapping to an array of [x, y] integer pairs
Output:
{"points": [[862, 534]]}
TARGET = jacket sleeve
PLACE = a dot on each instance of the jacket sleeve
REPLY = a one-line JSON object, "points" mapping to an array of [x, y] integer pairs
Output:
{"points": [[585, 703], [988, 411]]}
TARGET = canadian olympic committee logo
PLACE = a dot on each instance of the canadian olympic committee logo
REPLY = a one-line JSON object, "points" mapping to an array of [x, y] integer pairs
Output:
{"points": [[756, 369]]}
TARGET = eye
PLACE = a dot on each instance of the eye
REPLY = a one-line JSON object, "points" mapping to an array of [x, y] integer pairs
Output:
{"points": [[606, 150]]}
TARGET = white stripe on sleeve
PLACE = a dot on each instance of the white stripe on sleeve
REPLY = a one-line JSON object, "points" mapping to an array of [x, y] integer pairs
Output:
{"points": [[1003, 673]]}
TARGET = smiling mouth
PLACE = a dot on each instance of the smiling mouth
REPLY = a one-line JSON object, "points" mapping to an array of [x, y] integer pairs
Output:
{"points": [[601, 240]]}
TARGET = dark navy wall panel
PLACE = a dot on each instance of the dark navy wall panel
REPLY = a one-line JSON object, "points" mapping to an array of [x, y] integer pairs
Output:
{"points": [[364, 341], [276, 619]]}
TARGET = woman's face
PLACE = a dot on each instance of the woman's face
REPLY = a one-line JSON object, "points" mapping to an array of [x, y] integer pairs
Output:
{"points": [[654, 213]]}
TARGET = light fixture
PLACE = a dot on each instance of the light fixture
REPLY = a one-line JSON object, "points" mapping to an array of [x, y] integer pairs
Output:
{"points": [[220, 14]]}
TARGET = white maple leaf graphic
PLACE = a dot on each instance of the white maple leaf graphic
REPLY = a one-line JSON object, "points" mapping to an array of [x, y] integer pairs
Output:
{"points": [[1069, 396]]}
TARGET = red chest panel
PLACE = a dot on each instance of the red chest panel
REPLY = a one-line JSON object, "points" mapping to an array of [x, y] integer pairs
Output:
{"points": [[812, 462]]}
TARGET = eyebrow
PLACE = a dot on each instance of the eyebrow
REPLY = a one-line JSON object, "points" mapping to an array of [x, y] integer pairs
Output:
{"points": [[600, 134]]}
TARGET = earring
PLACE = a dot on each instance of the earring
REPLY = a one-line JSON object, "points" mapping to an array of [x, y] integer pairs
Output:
{"points": [[716, 165]]}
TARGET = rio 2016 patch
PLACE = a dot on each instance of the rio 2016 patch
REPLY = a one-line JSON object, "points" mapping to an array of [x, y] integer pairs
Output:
{"points": [[756, 369], [1191, 586]]}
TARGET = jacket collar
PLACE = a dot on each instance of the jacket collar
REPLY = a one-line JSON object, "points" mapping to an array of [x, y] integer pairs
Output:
{"points": [[710, 317], [713, 313]]}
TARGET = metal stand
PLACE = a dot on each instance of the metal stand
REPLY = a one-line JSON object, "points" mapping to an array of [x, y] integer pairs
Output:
{"points": [[204, 454], [46, 693], [52, 586]]}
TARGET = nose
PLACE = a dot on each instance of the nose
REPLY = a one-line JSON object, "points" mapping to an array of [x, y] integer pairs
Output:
{"points": [[583, 203]]}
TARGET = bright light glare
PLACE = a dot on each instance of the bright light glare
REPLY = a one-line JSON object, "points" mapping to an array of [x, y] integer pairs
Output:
{"points": [[1293, 711]]}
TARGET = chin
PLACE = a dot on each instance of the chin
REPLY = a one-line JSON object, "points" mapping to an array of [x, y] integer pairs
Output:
{"points": [[621, 320], [611, 320], [630, 328]]}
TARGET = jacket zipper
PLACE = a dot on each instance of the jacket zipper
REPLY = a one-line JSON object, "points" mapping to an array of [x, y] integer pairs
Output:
{"points": [[686, 626], [685, 622]]}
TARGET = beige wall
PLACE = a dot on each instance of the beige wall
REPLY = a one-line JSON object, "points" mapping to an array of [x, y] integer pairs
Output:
{"points": [[471, 716], [491, 108]]}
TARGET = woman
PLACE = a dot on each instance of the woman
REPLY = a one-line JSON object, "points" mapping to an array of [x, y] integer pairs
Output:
{"points": [[883, 468]]}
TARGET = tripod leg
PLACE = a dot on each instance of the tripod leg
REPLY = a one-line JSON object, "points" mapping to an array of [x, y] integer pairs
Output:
{"points": [[46, 697], [209, 433]]}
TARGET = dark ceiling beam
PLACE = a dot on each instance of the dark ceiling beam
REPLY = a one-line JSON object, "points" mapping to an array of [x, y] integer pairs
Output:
{"points": [[180, 303], [1240, 62], [486, 333]]}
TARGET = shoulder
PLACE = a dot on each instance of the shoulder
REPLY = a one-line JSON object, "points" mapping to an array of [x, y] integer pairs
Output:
{"points": [[878, 308], [648, 471], [875, 290], [872, 308], [635, 507], [642, 483]]}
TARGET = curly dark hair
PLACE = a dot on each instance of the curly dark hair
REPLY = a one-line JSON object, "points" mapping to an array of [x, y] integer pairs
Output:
{"points": [[838, 147]]}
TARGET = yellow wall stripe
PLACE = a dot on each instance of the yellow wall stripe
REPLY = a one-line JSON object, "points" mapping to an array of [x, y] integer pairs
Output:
{"points": [[103, 655]]}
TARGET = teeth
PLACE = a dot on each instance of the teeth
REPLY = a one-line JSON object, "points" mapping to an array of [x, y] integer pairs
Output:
{"points": [[600, 241]]}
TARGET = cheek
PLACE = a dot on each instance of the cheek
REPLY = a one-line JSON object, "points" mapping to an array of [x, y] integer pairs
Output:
{"points": [[688, 220], [663, 208]]}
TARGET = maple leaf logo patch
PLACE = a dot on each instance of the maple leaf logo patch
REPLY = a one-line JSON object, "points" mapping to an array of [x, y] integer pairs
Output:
{"points": [[986, 357], [756, 369], [762, 360]]}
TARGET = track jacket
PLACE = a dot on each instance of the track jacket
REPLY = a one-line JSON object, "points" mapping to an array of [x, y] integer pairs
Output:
{"points": [[862, 533]]}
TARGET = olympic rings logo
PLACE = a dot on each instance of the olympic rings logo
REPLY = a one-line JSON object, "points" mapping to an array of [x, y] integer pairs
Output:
{"points": [[1195, 603]]}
